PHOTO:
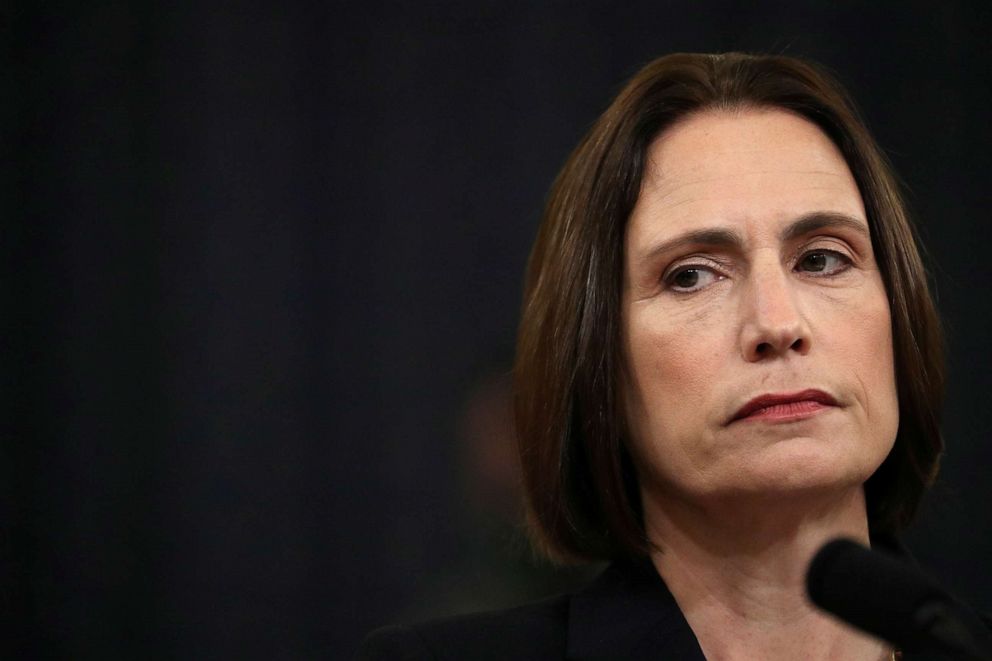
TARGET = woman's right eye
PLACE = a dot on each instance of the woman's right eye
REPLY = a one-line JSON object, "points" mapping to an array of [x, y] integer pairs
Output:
{"points": [[691, 278]]}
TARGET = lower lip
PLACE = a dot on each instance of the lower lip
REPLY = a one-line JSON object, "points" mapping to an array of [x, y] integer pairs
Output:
{"points": [[788, 412]]}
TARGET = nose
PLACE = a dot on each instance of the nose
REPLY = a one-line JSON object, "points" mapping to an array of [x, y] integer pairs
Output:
{"points": [[773, 323]]}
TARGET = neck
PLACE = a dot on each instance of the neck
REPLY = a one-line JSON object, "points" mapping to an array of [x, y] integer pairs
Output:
{"points": [[737, 570]]}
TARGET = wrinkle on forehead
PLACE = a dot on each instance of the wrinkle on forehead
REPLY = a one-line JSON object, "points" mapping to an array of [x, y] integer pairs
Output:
{"points": [[711, 149], [655, 180], [763, 165], [661, 196], [681, 194]]}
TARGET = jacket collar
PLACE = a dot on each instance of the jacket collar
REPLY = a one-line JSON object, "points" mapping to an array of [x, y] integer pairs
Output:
{"points": [[629, 613]]}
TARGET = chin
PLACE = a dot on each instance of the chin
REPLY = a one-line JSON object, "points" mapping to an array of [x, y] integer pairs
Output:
{"points": [[804, 472]]}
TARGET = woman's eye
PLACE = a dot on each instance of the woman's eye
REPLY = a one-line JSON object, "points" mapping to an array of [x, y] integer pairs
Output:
{"points": [[823, 262], [691, 278]]}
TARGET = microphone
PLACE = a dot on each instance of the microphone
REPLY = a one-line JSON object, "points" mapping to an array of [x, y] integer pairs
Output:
{"points": [[892, 600]]}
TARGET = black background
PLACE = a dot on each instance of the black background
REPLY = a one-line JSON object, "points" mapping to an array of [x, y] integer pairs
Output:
{"points": [[256, 255]]}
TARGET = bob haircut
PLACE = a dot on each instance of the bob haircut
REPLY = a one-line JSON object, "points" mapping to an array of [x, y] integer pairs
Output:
{"points": [[583, 501]]}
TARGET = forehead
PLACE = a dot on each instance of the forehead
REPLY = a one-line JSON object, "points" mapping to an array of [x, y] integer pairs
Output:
{"points": [[757, 168]]}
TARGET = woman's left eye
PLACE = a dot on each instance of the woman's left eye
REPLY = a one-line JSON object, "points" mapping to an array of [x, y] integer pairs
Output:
{"points": [[823, 262]]}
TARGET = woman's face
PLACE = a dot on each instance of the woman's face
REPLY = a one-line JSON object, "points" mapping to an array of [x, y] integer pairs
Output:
{"points": [[756, 325]]}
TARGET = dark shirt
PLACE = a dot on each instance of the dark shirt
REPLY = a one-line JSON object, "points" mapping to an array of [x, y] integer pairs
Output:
{"points": [[626, 613]]}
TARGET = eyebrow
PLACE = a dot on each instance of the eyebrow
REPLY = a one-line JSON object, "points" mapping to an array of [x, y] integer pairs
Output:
{"points": [[725, 238], [818, 220]]}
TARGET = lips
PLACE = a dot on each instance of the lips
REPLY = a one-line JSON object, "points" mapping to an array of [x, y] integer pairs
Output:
{"points": [[785, 405]]}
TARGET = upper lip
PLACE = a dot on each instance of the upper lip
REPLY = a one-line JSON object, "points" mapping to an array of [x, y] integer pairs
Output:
{"points": [[771, 399]]}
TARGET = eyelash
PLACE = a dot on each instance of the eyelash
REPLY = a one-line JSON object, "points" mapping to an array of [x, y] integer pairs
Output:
{"points": [[844, 260]]}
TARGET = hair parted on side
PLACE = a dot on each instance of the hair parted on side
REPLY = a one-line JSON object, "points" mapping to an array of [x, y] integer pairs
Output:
{"points": [[582, 494]]}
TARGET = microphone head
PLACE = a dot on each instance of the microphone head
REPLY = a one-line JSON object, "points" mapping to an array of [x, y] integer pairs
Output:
{"points": [[875, 592]]}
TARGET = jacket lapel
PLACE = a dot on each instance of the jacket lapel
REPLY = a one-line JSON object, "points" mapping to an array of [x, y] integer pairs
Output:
{"points": [[629, 613]]}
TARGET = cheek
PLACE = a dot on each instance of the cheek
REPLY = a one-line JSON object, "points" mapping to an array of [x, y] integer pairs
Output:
{"points": [[672, 371], [882, 374], [881, 407], [864, 347], [870, 335]]}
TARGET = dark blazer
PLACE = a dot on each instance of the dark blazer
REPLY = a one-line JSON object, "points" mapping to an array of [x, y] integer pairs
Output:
{"points": [[626, 613]]}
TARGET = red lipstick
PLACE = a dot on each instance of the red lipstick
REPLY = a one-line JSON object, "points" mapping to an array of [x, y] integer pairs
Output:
{"points": [[785, 407]]}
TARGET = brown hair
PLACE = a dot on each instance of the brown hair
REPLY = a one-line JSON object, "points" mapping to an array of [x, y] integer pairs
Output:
{"points": [[582, 494]]}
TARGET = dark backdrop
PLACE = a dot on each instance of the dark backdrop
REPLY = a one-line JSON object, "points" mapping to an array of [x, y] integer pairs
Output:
{"points": [[259, 257]]}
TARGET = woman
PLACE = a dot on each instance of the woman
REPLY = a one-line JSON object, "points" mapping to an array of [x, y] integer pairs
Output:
{"points": [[728, 355]]}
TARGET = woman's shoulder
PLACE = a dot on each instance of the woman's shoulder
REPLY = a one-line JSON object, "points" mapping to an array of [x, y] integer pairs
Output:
{"points": [[627, 612], [532, 631]]}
